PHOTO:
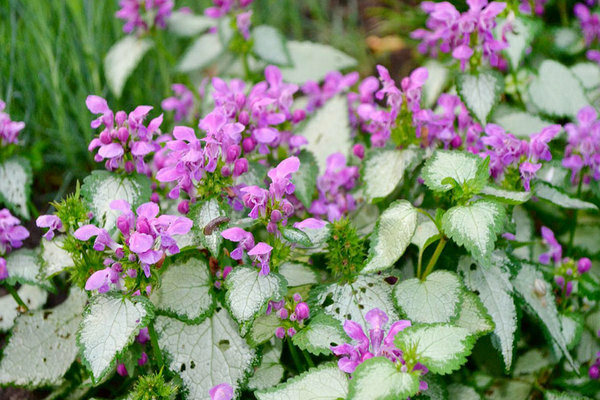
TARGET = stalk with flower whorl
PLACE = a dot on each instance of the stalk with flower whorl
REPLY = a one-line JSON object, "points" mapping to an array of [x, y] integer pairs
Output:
{"points": [[12, 235], [9, 129], [143, 15], [582, 154], [125, 141]]}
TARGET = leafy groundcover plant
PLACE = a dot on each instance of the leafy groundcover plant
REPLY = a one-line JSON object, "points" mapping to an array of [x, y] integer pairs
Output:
{"points": [[287, 231]]}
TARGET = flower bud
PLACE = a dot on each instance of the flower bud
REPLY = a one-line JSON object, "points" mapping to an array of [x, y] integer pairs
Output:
{"points": [[129, 167], [123, 134], [280, 332], [271, 227], [298, 116], [119, 252], [123, 225], [359, 151], [240, 167], [291, 332], [302, 311], [183, 207], [244, 118], [248, 144], [560, 281], [569, 288], [233, 152], [283, 313], [225, 171], [154, 197], [143, 359], [121, 117], [121, 370], [297, 297], [594, 372], [276, 216], [226, 271], [583, 265]]}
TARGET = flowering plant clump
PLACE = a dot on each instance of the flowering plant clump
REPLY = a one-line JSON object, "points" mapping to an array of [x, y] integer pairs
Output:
{"points": [[291, 228]]}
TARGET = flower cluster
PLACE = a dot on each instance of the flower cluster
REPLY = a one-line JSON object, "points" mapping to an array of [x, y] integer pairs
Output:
{"points": [[506, 151], [223, 7], [566, 271], [260, 253], [12, 235], [333, 84], [125, 141], [582, 154], [291, 313], [9, 129], [377, 344], [182, 102], [143, 15], [334, 185], [463, 34], [146, 239], [590, 27]]}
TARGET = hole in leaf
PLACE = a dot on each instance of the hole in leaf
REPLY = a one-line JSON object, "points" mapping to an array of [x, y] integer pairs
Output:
{"points": [[391, 280], [192, 365], [182, 368], [473, 267], [223, 344]]}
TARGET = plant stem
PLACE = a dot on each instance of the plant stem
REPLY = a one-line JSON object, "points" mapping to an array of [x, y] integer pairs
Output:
{"points": [[155, 348], [308, 358], [246, 66], [434, 257], [295, 356], [17, 298], [574, 226]]}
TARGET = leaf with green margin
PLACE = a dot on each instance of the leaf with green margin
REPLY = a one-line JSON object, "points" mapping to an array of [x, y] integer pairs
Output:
{"points": [[426, 233], [34, 296], [296, 236], [298, 274], [102, 187], [206, 354], [24, 266], [305, 179], [475, 227], [532, 362], [185, 290], [122, 59], [458, 165], [435, 83], [442, 348], [322, 332], [462, 392], [495, 291], [185, 24], [572, 328], [436, 390], [110, 323], [313, 61], [435, 299], [15, 185], [588, 74], [328, 131], [270, 371], [384, 169], [270, 45], [249, 292], [204, 51], [325, 382], [378, 379], [480, 92], [473, 316], [505, 196], [554, 395], [392, 235], [556, 91], [554, 195], [263, 329], [519, 39], [54, 258], [544, 307], [521, 124], [356, 299], [42, 346], [587, 348], [202, 213]]}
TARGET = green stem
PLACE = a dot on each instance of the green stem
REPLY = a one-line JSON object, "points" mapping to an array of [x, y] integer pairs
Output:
{"points": [[434, 257], [308, 358], [155, 348], [17, 298], [294, 353], [574, 225], [246, 66]]}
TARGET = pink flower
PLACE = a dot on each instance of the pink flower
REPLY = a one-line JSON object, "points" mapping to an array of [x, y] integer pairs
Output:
{"points": [[9, 130], [261, 253], [3, 269], [555, 249], [12, 233], [49, 221], [245, 240], [223, 391]]}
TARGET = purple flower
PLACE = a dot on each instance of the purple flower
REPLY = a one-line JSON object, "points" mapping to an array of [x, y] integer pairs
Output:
{"points": [[538, 6], [244, 239], [12, 233], [256, 199], [584, 265], [261, 253], [333, 84], [222, 391], [302, 311], [142, 15], [583, 146], [242, 21], [122, 370], [103, 239], [9, 130], [182, 102], [3, 269], [310, 223], [555, 249], [590, 23], [101, 280], [281, 178], [49, 221], [528, 171]]}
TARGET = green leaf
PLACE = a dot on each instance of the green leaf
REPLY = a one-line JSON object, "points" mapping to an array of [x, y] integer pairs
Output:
{"points": [[24, 266], [305, 179], [426, 233], [249, 292], [110, 323], [556, 91], [588, 74], [392, 235], [204, 51], [186, 24], [554, 395], [325, 382], [460, 166], [462, 392], [54, 258], [379, 379], [203, 213], [270, 372], [296, 236], [15, 185], [102, 187], [206, 354], [510, 389], [297, 274], [475, 226], [542, 305], [328, 130], [568, 40], [34, 296], [122, 59], [384, 169], [505, 196], [263, 329], [532, 362], [473, 316], [322, 332], [522, 124], [270, 45], [42, 346], [495, 291], [436, 299], [519, 39], [556, 196], [442, 348], [480, 92], [184, 290], [312, 61], [355, 299]]}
